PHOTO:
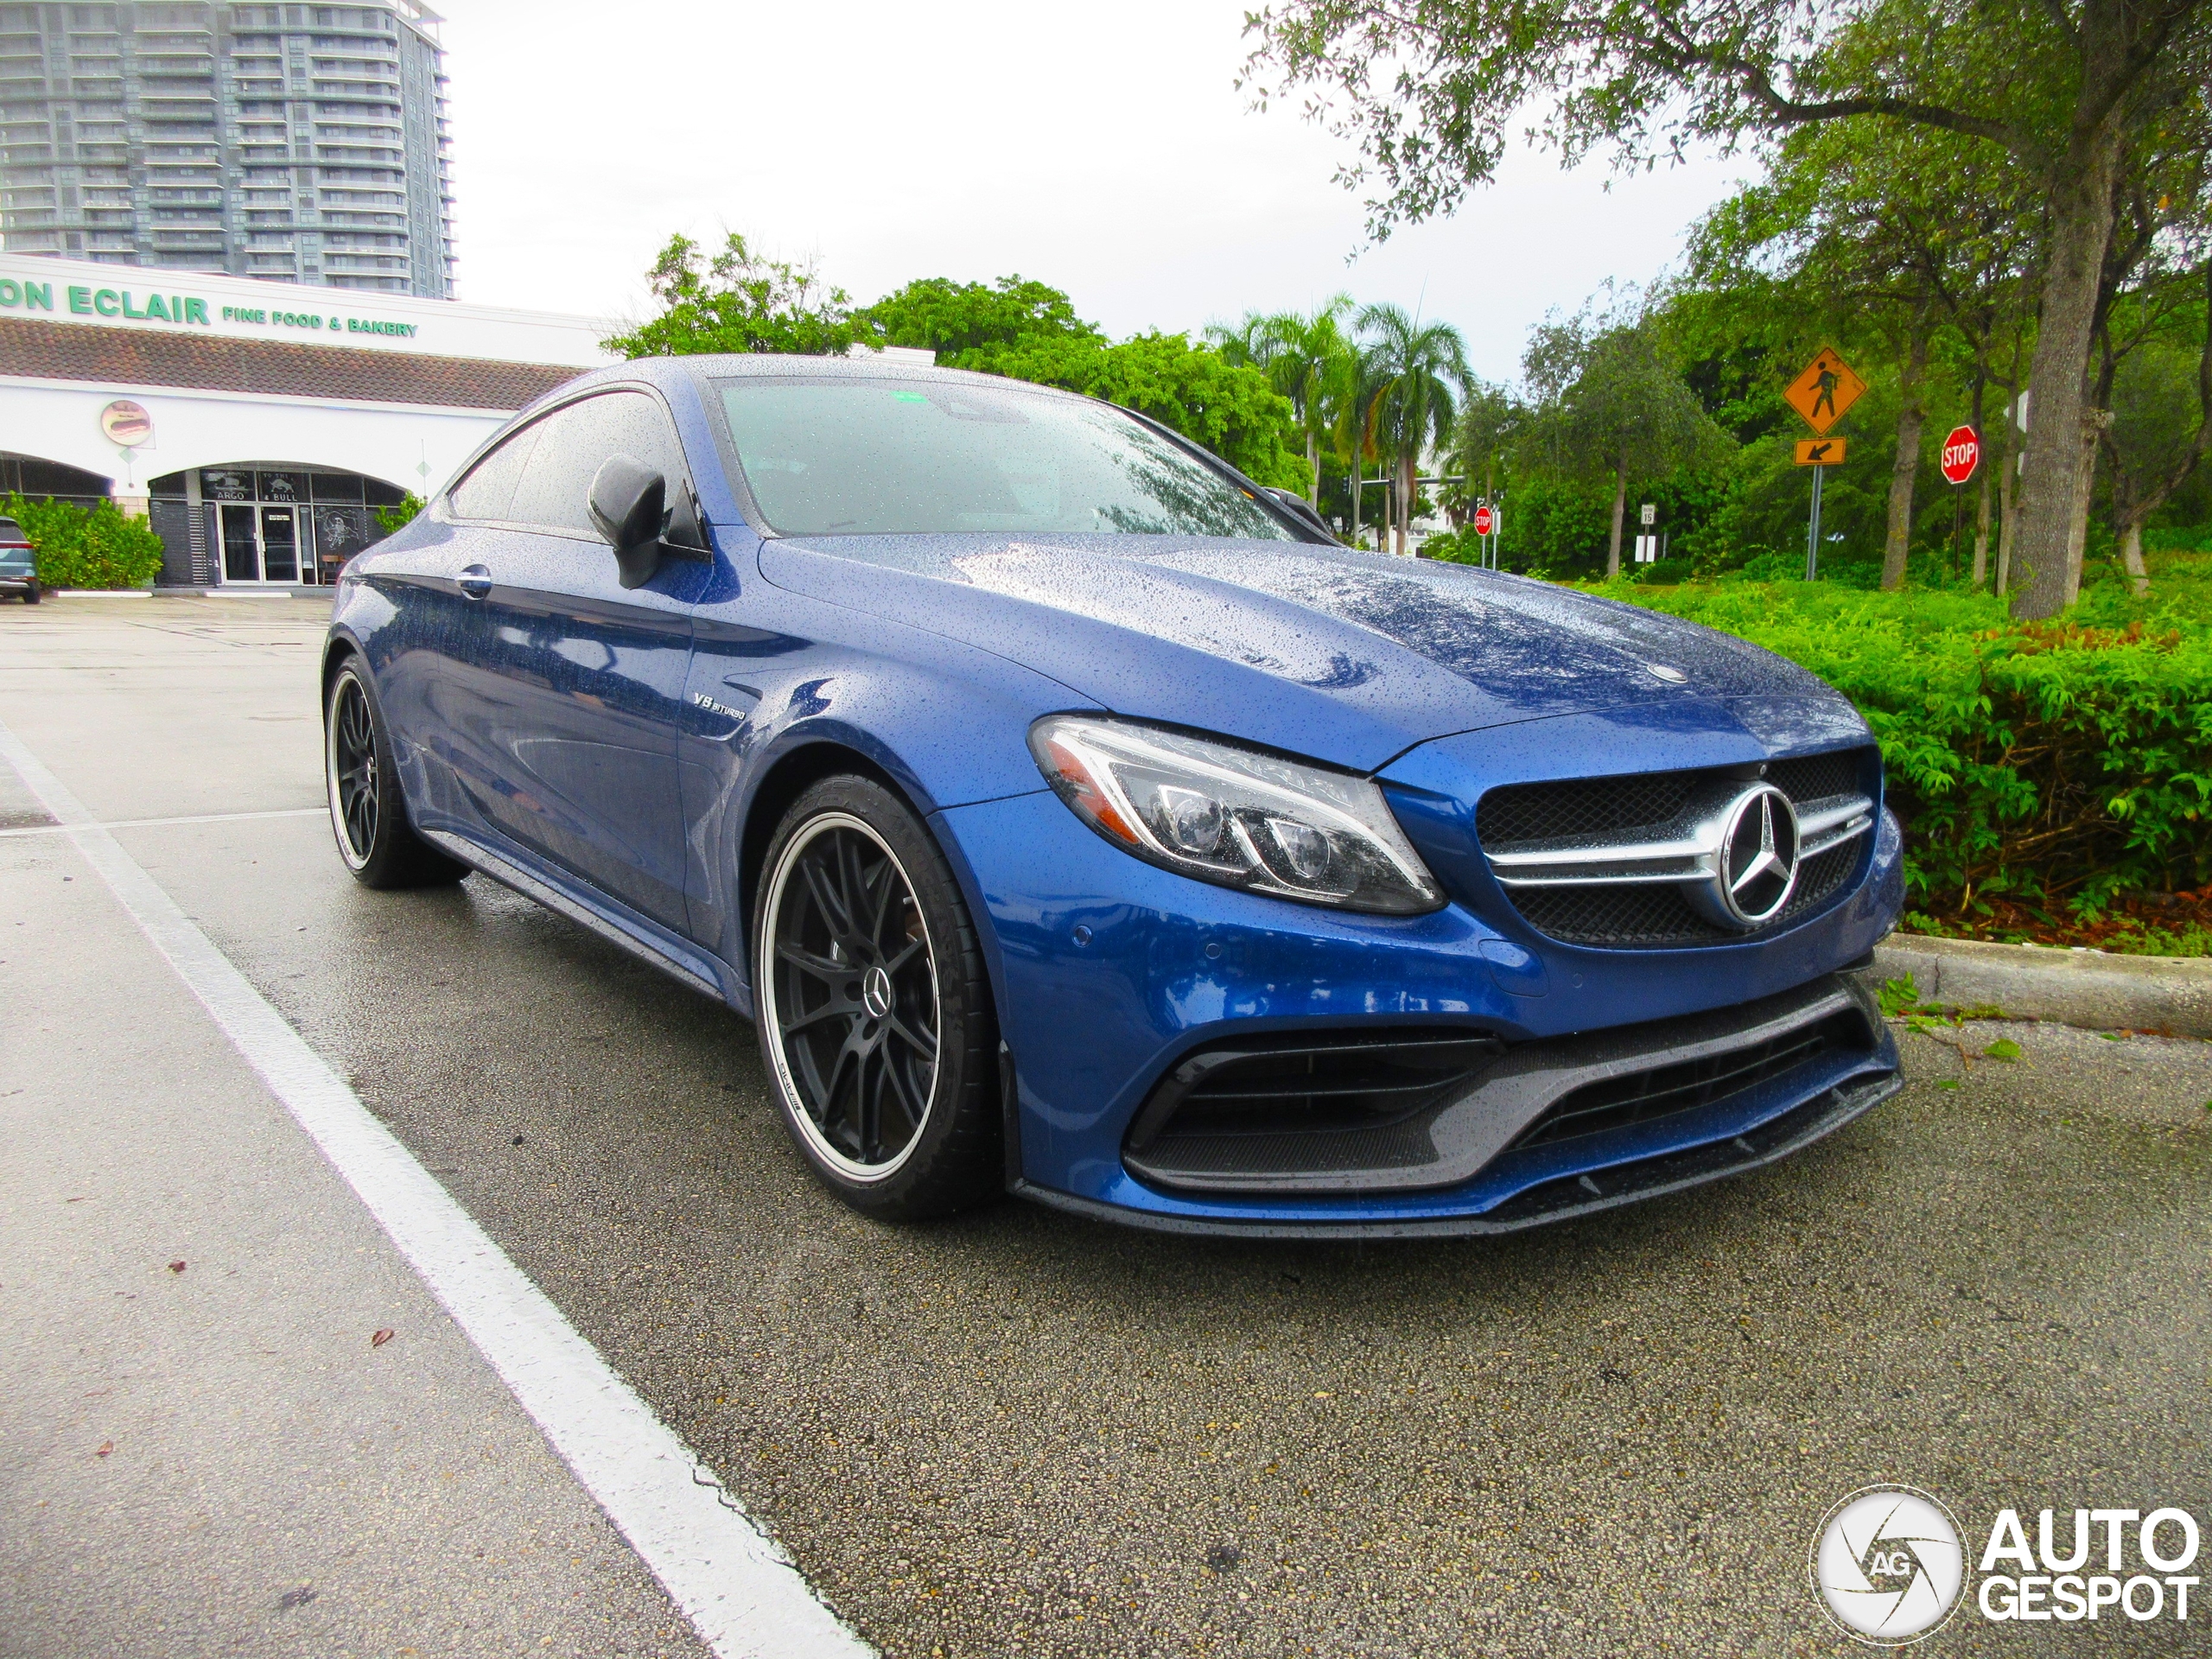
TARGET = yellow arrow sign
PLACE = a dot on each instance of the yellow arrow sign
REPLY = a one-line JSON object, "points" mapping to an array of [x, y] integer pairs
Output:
{"points": [[1819, 451], [1825, 390]]}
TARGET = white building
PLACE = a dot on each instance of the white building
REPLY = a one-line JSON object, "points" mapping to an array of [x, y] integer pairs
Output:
{"points": [[259, 423]]}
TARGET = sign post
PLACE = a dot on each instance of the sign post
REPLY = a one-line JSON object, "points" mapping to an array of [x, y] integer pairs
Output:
{"points": [[1961, 456], [1821, 394], [1486, 527]]}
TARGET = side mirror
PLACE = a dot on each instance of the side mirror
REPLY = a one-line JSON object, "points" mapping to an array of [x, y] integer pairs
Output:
{"points": [[630, 507]]}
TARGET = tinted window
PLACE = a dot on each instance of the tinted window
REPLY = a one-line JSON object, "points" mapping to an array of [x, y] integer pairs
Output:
{"points": [[488, 492], [575, 441], [862, 457]]}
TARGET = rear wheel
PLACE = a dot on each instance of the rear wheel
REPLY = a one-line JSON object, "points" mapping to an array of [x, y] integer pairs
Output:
{"points": [[30, 595], [874, 1011], [368, 813]]}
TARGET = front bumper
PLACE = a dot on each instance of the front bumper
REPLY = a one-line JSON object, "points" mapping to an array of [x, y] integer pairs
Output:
{"points": [[1110, 973]]}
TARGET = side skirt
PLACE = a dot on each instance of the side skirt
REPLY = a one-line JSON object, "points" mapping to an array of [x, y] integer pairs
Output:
{"points": [[698, 973]]}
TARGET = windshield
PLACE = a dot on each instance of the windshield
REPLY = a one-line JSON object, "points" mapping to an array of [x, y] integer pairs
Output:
{"points": [[853, 457]]}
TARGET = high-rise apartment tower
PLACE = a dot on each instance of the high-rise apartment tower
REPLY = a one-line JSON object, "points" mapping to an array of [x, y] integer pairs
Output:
{"points": [[306, 143]]}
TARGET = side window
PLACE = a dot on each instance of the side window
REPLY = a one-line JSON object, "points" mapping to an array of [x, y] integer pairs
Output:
{"points": [[488, 492], [576, 441]]}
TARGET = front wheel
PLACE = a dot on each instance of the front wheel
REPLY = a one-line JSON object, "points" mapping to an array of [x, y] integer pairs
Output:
{"points": [[368, 814], [874, 1007]]}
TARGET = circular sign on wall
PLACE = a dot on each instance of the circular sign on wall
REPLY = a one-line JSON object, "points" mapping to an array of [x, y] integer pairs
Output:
{"points": [[1962, 454], [127, 423]]}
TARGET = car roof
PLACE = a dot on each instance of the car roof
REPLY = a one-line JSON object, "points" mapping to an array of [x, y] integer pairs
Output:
{"points": [[736, 366]]}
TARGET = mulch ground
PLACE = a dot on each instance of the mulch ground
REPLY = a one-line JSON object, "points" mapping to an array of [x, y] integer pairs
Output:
{"points": [[2130, 920]]}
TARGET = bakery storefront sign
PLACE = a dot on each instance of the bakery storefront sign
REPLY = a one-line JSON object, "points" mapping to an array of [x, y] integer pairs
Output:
{"points": [[27, 297]]}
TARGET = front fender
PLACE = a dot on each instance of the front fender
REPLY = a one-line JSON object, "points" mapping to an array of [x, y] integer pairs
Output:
{"points": [[772, 683]]}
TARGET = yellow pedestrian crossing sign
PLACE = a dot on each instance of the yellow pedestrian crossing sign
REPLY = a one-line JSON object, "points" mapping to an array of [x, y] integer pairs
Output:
{"points": [[1825, 390]]}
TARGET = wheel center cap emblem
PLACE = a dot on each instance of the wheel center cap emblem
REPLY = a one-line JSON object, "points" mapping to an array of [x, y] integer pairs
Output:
{"points": [[1756, 870], [876, 993]]}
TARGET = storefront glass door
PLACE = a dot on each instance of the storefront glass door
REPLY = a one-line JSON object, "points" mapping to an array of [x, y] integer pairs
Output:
{"points": [[280, 544], [241, 547]]}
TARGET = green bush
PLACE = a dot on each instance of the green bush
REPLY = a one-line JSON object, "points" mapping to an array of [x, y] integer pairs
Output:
{"points": [[80, 547], [2061, 765]]}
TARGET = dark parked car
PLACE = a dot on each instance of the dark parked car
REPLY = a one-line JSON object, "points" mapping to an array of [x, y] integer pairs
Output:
{"points": [[1074, 817], [18, 564]]}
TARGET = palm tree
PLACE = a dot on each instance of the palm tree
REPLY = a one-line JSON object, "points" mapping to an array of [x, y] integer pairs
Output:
{"points": [[1420, 368], [1303, 358]]}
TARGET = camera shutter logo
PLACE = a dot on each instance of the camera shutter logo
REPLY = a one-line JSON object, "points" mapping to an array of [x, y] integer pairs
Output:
{"points": [[1887, 1565]]}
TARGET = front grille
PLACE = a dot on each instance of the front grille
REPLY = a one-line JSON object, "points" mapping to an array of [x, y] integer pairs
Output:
{"points": [[1661, 916], [1583, 806], [1648, 805], [1616, 1103]]}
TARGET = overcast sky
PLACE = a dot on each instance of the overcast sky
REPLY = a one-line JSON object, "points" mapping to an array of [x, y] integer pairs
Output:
{"points": [[1103, 149]]}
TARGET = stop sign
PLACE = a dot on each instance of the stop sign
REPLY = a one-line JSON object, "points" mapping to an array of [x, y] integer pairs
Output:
{"points": [[1484, 520], [1962, 454]]}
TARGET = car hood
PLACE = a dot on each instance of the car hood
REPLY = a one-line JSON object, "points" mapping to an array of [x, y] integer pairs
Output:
{"points": [[1344, 656]]}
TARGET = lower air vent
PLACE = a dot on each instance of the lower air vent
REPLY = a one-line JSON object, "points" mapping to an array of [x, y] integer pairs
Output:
{"points": [[1267, 1110], [1616, 1103]]}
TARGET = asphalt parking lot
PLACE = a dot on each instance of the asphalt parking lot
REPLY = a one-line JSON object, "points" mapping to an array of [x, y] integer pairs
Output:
{"points": [[1022, 1434]]}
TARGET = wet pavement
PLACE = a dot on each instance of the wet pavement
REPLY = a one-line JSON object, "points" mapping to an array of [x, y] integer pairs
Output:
{"points": [[1019, 1432]]}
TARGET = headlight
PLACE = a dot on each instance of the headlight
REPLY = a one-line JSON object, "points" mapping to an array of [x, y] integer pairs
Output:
{"points": [[1235, 817]]}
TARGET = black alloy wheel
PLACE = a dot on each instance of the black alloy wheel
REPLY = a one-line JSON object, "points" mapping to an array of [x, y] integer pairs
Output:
{"points": [[368, 813], [875, 1013]]}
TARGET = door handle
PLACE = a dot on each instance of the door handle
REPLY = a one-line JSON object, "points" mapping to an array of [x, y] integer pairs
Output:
{"points": [[475, 580]]}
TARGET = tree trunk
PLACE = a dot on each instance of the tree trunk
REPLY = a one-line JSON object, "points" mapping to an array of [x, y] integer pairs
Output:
{"points": [[1620, 511], [1905, 472], [1313, 465], [1356, 491], [1412, 489], [2131, 555], [2077, 530], [2081, 226], [1981, 532]]}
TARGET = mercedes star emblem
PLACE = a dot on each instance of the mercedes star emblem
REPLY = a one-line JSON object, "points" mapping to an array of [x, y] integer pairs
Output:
{"points": [[1756, 870]]}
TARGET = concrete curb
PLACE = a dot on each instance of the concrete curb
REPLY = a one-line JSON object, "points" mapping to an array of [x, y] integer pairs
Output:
{"points": [[2075, 987]]}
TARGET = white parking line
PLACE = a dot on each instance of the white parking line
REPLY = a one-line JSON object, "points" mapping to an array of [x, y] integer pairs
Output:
{"points": [[156, 823], [737, 1587]]}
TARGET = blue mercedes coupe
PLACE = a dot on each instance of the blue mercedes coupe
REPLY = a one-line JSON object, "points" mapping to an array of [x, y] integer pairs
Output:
{"points": [[1073, 816]]}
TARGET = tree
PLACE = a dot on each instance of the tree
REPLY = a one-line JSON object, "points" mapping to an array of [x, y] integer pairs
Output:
{"points": [[1304, 359], [1892, 233], [1417, 368], [739, 302], [965, 322], [1229, 408], [1610, 404], [2076, 92], [2160, 398], [1490, 423]]}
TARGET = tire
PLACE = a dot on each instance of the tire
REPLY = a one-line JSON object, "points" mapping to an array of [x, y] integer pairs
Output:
{"points": [[863, 952], [30, 595], [368, 812]]}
